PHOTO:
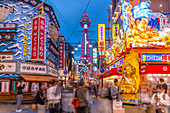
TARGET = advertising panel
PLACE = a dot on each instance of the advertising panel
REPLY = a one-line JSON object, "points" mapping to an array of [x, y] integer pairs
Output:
{"points": [[38, 38], [155, 57], [61, 59], [115, 30], [7, 67], [6, 57], [26, 86], [101, 39], [4, 87], [28, 68], [94, 55], [35, 26], [52, 71], [42, 39]]}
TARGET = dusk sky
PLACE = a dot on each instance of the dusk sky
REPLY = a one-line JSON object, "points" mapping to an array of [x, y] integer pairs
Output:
{"points": [[72, 11]]}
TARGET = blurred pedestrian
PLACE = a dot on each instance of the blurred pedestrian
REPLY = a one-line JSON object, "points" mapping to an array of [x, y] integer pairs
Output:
{"points": [[89, 96], [41, 98], [164, 85], [54, 98], [81, 95], [20, 87], [160, 100], [36, 89]]}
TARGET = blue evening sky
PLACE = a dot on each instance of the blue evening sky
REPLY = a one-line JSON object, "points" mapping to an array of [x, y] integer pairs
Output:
{"points": [[72, 11]]}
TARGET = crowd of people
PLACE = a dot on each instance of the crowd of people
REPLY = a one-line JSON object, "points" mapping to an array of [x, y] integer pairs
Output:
{"points": [[50, 97]]}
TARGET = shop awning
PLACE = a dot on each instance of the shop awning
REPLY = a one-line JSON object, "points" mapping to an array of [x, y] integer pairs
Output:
{"points": [[38, 78]]}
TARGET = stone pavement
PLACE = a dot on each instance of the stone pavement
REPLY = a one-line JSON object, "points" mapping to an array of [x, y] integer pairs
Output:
{"points": [[99, 106]]}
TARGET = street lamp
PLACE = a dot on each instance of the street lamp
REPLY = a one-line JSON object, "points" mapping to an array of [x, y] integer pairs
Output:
{"points": [[76, 49]]}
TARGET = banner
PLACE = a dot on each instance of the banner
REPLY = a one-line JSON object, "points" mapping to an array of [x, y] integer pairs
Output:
{"points": [[101, 39], [38, 38], [61, 59]]}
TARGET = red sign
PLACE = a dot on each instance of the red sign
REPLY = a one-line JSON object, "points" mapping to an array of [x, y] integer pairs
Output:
{"points": [[41, 38], [38, 38], [61, 59], [156, 69]]}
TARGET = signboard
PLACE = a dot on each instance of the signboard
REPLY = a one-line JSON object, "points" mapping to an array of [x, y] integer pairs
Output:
{"points": [[38, 38], [6, 57], [7, 67], [61, 59], [53, 31], [4, 87], [52, 71], [26, 86], [132, 101], [94, 55], [25, 43], [50, 63], [32, 86], [115, 65], [157, 57], [33, 68], [115, 30], [101, 39], [8, 26]]}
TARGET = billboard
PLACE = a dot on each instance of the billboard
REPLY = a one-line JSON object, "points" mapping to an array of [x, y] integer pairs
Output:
{"points": [[101, 39], [94, 55], [115, 30], [38, 38], [61, 59]]}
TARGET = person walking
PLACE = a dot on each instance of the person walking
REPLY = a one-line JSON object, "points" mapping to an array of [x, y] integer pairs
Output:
{"points": [[54, 98], [20, 87], [36, 89], [41, 98], [115, 92], [81, 95], [160, 100], [164, 85]]}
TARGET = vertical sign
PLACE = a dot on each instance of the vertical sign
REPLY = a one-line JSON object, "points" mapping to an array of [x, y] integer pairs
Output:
{"points": [[61, 59], [115, 31], [41, 38], [101, 39], [38, 38], [94, 55], [25, 40]]}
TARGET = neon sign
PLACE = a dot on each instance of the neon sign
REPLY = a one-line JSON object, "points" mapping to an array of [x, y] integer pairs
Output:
{"points": [[115, 30], [155, 57], [101, 39], [115, 65]]}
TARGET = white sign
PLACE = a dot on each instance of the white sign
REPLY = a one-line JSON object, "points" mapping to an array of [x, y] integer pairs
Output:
{"points": [[7, 67], [95, 55], [5, 87], [33, 68], [50, 63], [6, 57], [52, 71]]}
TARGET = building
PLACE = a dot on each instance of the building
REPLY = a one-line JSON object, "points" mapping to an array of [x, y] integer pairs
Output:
{"points": [[139, 46], [28, 48]]}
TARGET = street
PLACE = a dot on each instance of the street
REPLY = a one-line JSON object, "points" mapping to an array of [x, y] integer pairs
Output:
{"points": [[100, 106]]}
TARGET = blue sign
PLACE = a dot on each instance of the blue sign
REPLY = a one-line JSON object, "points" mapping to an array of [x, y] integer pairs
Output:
{"points": [[102, 70], [115, 65], [65, 72], [9, 75], [155, 57]]}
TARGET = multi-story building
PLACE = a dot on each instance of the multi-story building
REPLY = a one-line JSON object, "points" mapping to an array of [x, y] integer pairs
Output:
{"points": [[28, 48]]}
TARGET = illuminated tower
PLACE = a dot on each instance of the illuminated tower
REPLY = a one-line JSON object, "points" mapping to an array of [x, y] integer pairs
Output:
{"points": [[85, 50]]}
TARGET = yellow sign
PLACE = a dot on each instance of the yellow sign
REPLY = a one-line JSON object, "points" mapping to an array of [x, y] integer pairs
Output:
{"points": [[101, 39], [25, 40]]}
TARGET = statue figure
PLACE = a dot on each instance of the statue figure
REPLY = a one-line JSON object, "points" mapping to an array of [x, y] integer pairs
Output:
{"points": [[130, 74]]}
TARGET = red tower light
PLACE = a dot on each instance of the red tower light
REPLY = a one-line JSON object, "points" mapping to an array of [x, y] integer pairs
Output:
{"points": [[85, 14]]}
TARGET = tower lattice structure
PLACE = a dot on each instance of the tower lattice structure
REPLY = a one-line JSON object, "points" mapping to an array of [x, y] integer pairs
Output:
{"points": [[85, 50]]}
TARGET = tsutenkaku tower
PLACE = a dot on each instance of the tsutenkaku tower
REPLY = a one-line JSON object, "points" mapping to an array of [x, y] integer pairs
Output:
{"points": [[85, 50]]}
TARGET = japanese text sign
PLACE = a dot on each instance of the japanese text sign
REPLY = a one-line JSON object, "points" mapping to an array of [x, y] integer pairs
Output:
{"points": [[38, 38], [61, 59], [101, 39]]}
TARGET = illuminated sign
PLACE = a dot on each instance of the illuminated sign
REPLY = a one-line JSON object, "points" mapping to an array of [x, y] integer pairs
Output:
{"points": [[25, 40], [156, 57], [134, 101], [115, 30], [38, 38], [101, 39], [95, 55], [115, 65], [61, 58]]}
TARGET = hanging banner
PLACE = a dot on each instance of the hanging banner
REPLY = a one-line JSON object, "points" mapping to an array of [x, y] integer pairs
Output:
{"points": [[38, 38], [101, 39], [61, 59], [115, 30]]}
